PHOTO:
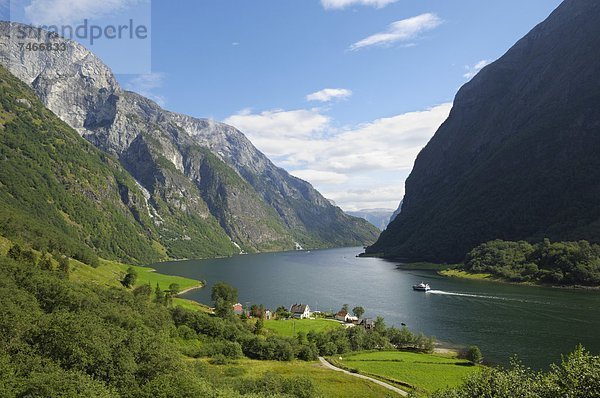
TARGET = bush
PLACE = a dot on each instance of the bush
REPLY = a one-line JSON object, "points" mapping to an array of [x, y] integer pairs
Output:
{"points": [[219, 359], [187, 333], [308, 352], [274, 384], [474, 355], [129, 278]]}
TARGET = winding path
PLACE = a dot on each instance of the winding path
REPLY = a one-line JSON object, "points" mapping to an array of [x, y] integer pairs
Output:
{"points": [[381, 383]]}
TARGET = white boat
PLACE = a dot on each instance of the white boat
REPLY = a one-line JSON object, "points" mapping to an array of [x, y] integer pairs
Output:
{"points": [[422, 287]]}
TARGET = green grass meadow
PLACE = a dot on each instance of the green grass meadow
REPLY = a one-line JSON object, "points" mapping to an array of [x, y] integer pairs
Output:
{"points": [[426, 373], [457, 273], [109, 273], [286, 327], [328, 383]]}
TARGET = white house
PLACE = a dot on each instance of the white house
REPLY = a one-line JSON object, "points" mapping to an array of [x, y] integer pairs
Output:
{"points": [[341, 315], [344, 316], [300, 311]]}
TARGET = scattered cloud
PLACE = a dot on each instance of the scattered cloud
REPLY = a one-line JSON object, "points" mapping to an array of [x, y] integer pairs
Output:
{"points": [[359, 167], [320, 176], [277, 131], [329, 94], [404, 30], [341, 4], [474, 69], [235, 43], [49, 12], [146, 85]]}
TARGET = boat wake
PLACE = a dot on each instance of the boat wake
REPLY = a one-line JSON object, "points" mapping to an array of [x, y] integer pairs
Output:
{"points": [[467, 295], [471, 295]]}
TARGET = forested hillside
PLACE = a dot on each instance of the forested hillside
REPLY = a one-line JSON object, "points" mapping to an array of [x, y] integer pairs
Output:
{"points": [[57, 191]]}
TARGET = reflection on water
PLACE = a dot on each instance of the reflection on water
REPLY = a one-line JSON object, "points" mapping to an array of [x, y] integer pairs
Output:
{"points": [[536, 323]]}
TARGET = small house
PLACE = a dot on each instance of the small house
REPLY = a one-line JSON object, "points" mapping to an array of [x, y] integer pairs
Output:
{"points": [[300, 311], [342, 315], [268, 315], [238, 309], [367, 323]]}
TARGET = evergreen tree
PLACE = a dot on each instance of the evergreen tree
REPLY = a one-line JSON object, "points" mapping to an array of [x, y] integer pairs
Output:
{"points": [[159, 295], [258, 326]]}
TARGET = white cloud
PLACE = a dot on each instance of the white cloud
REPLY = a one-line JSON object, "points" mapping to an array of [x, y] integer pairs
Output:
{"points": [[473, 70], [271, 130], [320, 176], [344, 164], [340, 4], [50, 12], [372, 197], [146, 85], [400, 31], [329, 94]]}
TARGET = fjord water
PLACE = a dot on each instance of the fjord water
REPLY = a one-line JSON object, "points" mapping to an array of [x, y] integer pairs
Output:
{"points": [[539, 324]]}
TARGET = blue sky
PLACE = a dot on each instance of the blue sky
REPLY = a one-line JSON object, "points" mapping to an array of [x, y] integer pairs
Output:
{"points": [[391, 69]]}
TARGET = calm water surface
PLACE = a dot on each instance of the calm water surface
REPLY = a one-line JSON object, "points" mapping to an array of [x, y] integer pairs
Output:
{"points": [[536, 323]]}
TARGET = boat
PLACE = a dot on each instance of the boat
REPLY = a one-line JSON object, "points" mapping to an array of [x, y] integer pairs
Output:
{"points": [[422, 287]]}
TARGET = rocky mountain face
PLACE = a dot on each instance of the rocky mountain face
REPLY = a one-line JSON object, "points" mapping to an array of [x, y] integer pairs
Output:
{"points": [[193, 171], [518, 156], [58, 192]]}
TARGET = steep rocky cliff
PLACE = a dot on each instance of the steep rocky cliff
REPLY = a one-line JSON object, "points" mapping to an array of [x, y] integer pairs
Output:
{"points": [[192, 169], [518, 157]]}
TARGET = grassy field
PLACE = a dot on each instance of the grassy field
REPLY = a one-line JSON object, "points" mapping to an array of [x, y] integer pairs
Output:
{"points": [[425, 266], [286, 327], [191, 305], [425, 372], [109, 273], [328, 383], [457, 273]]}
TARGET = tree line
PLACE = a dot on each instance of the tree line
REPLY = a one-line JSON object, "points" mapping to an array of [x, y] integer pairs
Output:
{"points": [[563, 263], [576, 376]]}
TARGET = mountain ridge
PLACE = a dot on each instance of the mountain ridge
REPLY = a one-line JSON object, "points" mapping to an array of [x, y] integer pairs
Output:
{"points": [[260, 206], [514, 160]]}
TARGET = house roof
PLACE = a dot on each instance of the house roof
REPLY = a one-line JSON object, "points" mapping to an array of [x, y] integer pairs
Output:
{"points": [[342, 313], [298, 308]]}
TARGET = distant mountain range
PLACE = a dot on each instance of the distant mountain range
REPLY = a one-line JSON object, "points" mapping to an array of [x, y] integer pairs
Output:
{"points": [[518, 157], [378, 217], [188, 187]]}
